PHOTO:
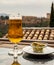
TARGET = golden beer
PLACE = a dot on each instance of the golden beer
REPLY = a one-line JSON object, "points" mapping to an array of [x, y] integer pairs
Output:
{"points": [[15, 63], [15, 32]]}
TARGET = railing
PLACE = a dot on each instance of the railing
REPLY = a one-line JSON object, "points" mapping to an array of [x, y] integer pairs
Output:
{"points": [[34, 29]]}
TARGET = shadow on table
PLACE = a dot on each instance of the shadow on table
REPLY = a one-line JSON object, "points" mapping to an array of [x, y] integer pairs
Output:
{"points": [[39, 58]]}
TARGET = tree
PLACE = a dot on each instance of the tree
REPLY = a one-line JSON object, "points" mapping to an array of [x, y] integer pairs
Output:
{"points": [[0, 34], [2, 18], [52, 16], [6, 17]]}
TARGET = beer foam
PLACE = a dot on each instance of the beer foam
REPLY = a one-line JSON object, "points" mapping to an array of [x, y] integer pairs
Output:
{"points": [[15, 17]]}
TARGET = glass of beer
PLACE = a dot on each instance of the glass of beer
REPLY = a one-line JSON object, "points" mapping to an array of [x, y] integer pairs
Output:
{"points": [[15, 32]]}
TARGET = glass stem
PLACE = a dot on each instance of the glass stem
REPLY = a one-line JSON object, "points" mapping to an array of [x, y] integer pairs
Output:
{"points": [[15, 51], [15, 59]]}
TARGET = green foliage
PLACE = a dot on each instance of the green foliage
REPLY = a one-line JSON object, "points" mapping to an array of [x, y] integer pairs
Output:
{"points": [[52, 16], [39, 24], [44, 24], [1, 34], [4, 17], [3, 29]]}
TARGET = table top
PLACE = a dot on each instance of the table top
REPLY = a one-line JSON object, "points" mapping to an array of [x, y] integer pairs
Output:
{"points": [[25, 58]]}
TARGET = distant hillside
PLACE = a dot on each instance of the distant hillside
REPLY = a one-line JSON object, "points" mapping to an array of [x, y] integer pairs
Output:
{"points": [[35, 21], [29, 21]]}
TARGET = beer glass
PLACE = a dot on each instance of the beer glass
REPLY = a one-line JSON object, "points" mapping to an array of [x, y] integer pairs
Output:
{"points": [[15, 32]]}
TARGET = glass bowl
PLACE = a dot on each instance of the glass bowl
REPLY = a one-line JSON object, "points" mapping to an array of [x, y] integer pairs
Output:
{"points": [[38, 46]]}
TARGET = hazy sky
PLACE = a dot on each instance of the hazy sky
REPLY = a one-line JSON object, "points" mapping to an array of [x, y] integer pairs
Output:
{"points": [[26, 7]]}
